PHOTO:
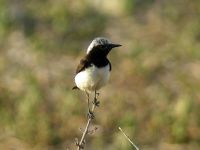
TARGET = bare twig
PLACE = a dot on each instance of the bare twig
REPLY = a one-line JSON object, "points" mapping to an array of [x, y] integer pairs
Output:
{"points": [[129, 139], [80, 145]]}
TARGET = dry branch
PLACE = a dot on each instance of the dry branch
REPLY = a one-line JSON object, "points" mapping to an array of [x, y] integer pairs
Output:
{"points": [[81, 143], [129, 139]]}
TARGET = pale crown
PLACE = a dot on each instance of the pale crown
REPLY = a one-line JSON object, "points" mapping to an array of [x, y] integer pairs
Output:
{"points": [[98, 41]]}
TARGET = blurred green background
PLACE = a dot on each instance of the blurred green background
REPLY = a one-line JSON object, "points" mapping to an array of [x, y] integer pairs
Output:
{"points": [[155, 98]]}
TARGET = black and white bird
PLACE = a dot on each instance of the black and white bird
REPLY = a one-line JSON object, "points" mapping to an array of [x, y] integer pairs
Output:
{"points": [[93, 71]]}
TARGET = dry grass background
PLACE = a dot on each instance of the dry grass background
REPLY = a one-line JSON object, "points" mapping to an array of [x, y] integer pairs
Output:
{"points": [[154, 98]]}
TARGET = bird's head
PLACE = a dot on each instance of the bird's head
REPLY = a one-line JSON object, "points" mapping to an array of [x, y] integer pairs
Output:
{"points": [[102, 45]]}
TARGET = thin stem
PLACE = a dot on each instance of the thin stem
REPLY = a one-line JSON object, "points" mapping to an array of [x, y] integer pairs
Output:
{"points": [[128, 139], [88, 100], [82, 141]]}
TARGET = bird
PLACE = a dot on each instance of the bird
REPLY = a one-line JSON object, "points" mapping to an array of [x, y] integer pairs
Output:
{"points": [[93, 71]]}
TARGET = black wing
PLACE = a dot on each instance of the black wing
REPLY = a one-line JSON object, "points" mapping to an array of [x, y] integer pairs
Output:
{"points": [[75, 88], [110, 65], [84, 63]]}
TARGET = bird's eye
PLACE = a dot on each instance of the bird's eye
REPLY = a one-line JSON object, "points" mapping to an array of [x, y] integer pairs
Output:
{"points": [[103, 46]]}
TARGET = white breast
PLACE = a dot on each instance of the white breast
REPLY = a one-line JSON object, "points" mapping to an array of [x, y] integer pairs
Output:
{"points": [[92, 78]]}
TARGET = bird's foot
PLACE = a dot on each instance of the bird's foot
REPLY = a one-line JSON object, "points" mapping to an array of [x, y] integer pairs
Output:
{"points": [[90, 114], [96, 102]]}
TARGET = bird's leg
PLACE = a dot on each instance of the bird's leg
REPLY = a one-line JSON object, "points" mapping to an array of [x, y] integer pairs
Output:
{"points": [[96, 102], [90, 113], [97, 94], [88, 100]]}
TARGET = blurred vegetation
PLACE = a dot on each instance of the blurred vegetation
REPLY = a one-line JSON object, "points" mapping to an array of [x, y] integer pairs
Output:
{"points": [[155, 97]]}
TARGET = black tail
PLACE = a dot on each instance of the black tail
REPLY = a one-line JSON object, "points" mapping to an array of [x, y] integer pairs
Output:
{"points": [[75, 88]]}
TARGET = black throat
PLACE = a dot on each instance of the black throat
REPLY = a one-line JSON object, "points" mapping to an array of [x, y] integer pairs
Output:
{"points": [[99, 58]]}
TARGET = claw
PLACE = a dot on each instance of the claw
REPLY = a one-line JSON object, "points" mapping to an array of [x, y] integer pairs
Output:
{"points": [[90, 114], [96, 102]]}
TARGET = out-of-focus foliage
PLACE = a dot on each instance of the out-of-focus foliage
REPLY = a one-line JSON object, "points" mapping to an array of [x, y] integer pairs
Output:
{"points": [[153, 93]]}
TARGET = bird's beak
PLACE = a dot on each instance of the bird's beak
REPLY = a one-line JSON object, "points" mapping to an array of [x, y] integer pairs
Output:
{"points": [[114, 45]]}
